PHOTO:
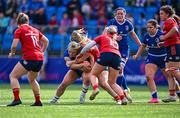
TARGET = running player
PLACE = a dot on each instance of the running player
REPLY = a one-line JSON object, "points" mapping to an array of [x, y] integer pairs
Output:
{"points": [[171, 40], [125, 28], [32, 58], [156, 57]]}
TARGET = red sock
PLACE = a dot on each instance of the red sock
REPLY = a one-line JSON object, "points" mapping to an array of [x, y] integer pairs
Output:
{"points": [[121, 97], [95, 87], [172, 92], [117, 98], [37, 98], [16, 93]]}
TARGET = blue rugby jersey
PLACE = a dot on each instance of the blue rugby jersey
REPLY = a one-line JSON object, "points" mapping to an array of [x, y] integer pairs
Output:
{"points": [[123, 30], [152, 43]]}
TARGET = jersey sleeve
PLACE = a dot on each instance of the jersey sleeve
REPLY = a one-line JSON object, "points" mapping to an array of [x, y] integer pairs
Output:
{"points": [[144, 41], [66, 54], [130, 25], [97, 39], [170, 23], [17, 34]]}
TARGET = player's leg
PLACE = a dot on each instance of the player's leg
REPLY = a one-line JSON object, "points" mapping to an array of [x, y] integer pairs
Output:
{"points": [[85, 86], [35, 87], [172, 69], [122, 80], [113, 74], [103, 78], [150, 70], [96, 70], [16, 73], [69, 78]]}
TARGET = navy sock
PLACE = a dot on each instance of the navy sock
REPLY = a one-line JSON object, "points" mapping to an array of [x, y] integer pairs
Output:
{"points": [[178, 93], [120, 80], [154, 94], [124, 83]]}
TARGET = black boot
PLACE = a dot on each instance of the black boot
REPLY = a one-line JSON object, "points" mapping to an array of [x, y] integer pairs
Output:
{"points": [[15, 102]]}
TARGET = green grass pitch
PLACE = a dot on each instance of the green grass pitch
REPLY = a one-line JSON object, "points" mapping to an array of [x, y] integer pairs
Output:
{"points": [[102, 107]]}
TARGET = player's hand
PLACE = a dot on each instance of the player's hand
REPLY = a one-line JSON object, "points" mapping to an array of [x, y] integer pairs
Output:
{"points": [[119, 37], [78, 58], [160, 44], [11, 55], [86, 66], [134, 57], [162, 38]]}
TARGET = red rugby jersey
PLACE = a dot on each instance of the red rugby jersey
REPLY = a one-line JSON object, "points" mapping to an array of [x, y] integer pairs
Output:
{"points": [[107, 44], [30, 42], [167, 26]]}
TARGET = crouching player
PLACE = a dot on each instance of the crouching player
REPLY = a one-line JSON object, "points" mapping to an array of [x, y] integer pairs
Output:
{"points": [[76, 70], [32, 59]]}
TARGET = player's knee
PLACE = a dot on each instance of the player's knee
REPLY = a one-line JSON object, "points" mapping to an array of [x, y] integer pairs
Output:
{"points": [[12, 76], [103, 84], [172, 71], [149, 77]]}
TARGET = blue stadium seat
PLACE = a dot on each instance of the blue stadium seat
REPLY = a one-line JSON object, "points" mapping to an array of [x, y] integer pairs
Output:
{"points": [[90, 26], [128, 9], [150, 11], [65, 2], [56, 45], [7, 40], [1, 37], [120, 3], [60, 12], [136, 12], [50, 11], [58, 42], [49, 36]]}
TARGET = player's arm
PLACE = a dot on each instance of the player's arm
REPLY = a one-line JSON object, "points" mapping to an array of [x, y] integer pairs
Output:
{"points": [[170, 33], [45, 42], [88, 46], [69, 62], [72, 63], [76, 66], [13, 47], [139, 52], [135, 37], [91, 60]]}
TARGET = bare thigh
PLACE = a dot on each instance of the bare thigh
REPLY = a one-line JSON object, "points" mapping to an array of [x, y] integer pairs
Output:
{"points": [[18, 71]]}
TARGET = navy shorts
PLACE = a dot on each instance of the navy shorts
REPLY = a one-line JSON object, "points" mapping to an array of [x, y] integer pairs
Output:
{"points": [[31, 65], [159, 61], [173, 53], [124, 56], [79, 72], [109, 59]]}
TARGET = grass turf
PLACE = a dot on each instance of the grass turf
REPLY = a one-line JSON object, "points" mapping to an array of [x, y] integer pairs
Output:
{"points": [[102, 107]]}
